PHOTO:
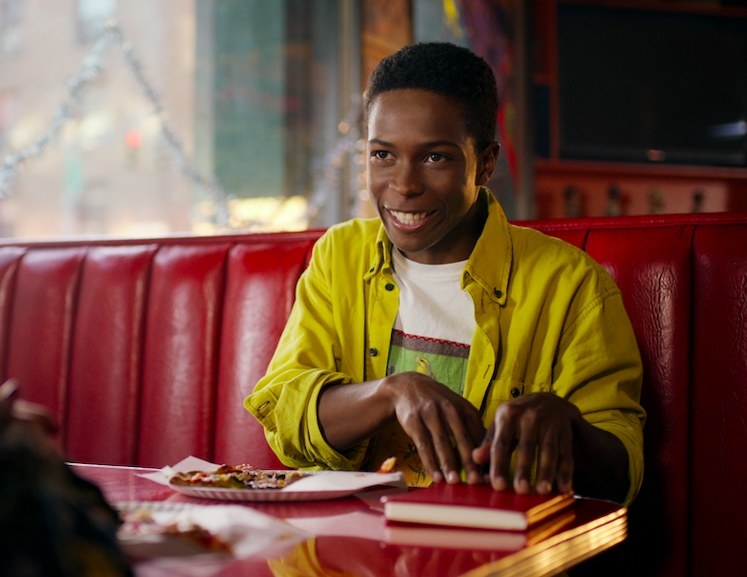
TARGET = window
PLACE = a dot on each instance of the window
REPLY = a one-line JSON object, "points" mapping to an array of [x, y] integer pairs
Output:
{"points": [[7, 114], [92, 16], [220, 114], [10, 26], [274, 95]]}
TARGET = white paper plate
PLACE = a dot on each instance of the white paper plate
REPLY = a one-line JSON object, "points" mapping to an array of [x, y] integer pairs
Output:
{"points": [[259, 495], [315, 486]]}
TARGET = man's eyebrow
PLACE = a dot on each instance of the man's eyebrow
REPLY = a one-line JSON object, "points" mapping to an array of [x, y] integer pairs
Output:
{"points": [[425, 145], [435, 143], [379, 142]]}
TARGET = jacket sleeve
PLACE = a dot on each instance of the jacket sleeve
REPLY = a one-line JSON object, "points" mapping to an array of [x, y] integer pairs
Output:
{"points": [[599, 369], [306, 359]]}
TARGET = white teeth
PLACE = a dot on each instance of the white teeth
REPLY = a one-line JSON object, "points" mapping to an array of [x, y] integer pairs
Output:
{"points": [[409, 218]]}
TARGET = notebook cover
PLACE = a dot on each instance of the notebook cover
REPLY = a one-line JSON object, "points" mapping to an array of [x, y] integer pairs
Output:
{"points": [[477, 506]]}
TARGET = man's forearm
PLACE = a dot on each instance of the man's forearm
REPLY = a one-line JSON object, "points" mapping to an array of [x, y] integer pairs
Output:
{"points": [[350, 413]]}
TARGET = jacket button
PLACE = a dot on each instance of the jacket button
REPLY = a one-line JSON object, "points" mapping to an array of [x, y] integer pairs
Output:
{"points": [[497, 293], [373, 351], [389, 286], [515, 392]]}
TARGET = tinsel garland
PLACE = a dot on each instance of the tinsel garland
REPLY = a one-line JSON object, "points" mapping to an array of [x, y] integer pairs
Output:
{"points": [[76, 87]]}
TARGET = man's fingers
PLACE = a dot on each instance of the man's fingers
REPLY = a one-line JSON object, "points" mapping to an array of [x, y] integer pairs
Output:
{"points": [[501, 448], [445, 428], [423, 441], [564, 473], [526, 451], [467, 433], [549, 455]]}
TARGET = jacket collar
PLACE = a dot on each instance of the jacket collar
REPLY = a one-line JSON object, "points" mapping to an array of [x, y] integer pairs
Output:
{"points": [[490, 262]]}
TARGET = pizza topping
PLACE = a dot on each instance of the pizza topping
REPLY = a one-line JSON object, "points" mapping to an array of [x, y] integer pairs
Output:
{"points": [[388, 465], [237, 477]]}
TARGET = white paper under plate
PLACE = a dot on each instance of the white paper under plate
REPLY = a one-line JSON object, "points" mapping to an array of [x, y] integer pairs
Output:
{"points": [[315, 486]]}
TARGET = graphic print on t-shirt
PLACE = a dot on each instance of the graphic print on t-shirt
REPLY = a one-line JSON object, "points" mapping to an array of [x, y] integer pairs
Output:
{"points": [[445, 361], [431, 335]]}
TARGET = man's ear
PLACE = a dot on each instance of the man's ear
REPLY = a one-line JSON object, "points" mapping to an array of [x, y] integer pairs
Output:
{"points": [[488, 160]]}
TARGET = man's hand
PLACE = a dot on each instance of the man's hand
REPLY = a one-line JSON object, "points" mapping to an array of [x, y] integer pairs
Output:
{"points": [[15, 412], [445, 427], [538, 425]]}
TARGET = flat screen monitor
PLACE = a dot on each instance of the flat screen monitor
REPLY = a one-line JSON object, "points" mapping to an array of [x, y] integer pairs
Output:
{"points": [[640, 85]]}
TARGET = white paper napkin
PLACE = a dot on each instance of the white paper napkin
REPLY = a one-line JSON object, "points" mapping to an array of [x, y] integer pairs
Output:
{"points": [[247, 531]]}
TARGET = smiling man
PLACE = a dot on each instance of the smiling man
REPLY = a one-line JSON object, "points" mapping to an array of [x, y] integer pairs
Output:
{"points": [[438, 333]]}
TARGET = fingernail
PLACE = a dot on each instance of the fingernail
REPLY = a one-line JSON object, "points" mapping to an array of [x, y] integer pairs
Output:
{"points": [[9, 390], [543, 487], [500, 484], [437, 476], [452, 477]]}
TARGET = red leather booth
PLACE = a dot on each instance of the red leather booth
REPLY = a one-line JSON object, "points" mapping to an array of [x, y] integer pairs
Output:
{"points": [[145, 348]]}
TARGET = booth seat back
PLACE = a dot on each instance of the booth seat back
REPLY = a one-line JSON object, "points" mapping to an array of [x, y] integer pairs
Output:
{"points": [[684, 284], [144, 349]]}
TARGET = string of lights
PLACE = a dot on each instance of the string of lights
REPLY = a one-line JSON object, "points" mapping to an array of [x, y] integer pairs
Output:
{"points": [[91, 69]]}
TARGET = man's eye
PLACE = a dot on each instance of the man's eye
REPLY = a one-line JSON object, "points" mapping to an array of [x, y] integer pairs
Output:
{"points": [[380, 154], [435, 157]]}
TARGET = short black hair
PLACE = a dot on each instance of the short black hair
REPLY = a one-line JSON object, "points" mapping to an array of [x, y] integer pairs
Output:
{"points": [[449, 70]]}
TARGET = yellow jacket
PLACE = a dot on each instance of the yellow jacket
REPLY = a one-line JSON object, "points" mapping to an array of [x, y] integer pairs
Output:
{"points": [[549, 319]]}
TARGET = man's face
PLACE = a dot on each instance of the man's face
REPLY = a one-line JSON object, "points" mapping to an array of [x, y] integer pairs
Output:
{"points": [[424, 174]]}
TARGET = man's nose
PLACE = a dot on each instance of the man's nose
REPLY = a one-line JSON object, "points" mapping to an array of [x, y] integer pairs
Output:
{"points": [[407, 179]]}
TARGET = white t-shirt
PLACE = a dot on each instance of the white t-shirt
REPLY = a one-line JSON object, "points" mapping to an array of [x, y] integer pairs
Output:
{"points": [[435, 323]]}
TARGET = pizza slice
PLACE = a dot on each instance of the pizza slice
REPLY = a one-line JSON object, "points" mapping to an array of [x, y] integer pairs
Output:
{"points": [[238, 477]]}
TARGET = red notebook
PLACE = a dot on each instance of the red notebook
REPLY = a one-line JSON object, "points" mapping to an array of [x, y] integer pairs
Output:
{"points": [[475, 506], [417, 535]]}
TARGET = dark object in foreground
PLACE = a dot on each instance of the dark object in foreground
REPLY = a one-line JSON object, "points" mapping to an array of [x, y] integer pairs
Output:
{"points": [[53, 522]]}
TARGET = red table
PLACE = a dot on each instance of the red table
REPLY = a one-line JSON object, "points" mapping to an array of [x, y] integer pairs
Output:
{"points": [[350, 538]]}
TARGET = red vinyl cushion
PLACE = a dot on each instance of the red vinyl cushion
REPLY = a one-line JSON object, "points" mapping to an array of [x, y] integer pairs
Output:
{"points": [[41, 323], [259, 294], [652, 267], [10, 258], [102, 421], [181, 352], [719, 402]]}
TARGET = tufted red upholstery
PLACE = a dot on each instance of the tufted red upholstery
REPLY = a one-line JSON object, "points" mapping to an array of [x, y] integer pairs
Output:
{"points": [[719, 402], [144, 350], [684, 282]]}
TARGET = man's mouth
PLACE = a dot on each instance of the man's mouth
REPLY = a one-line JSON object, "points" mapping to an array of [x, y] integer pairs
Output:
{"points": [[409, 218]]}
